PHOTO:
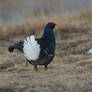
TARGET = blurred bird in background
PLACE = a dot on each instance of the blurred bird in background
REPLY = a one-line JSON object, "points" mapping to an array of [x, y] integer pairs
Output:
{"points": [[38, 51]]}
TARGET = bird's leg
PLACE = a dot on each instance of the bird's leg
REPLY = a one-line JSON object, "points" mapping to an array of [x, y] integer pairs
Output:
{"points": [[45, 67], [35, 67], [26, 64]]}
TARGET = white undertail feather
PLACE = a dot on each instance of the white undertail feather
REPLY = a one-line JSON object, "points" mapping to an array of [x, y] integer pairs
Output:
{"points": [[31, 48]]}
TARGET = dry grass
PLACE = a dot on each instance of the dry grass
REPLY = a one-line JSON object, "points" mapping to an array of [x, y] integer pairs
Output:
{"points": [[71, 69]]}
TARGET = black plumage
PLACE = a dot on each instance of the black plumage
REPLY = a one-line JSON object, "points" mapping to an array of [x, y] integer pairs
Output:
{"points": [[47, 47]]}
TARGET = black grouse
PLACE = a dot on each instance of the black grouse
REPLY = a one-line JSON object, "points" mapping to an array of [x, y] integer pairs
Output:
{"points": [[38, 51]]}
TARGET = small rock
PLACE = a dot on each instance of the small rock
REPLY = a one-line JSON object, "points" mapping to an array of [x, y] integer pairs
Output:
{"points": [[90, 52]]}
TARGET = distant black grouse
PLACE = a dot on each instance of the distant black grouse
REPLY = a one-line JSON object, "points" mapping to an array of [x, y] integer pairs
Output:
{"points": [[38, 51]]}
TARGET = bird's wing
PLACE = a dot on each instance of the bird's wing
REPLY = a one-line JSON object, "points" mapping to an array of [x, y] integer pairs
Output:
{"points": [[45, 48]]}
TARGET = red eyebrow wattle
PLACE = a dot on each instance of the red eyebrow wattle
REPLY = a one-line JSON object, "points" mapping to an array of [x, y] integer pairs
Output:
{"points": [[51, 23]]}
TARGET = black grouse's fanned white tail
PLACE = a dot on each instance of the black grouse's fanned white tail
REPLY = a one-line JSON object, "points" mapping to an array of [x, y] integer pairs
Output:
{"points": [[31, 48]]}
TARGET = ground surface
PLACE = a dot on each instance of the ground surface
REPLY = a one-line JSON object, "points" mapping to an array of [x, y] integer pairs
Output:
{"points": [[70, 71]]}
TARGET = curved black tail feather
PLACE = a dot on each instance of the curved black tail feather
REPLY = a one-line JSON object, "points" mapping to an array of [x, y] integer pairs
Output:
{"points": [[18, 46]]}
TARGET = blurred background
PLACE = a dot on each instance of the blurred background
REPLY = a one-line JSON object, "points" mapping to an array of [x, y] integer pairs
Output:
{"points": [[20, 11], [71, 69]]}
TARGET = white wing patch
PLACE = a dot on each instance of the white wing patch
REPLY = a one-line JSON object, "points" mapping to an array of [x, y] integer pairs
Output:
{"points": [[31, 48]]}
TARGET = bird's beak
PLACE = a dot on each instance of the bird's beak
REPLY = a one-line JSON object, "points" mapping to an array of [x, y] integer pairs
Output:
{"points": [[55, 24]]}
